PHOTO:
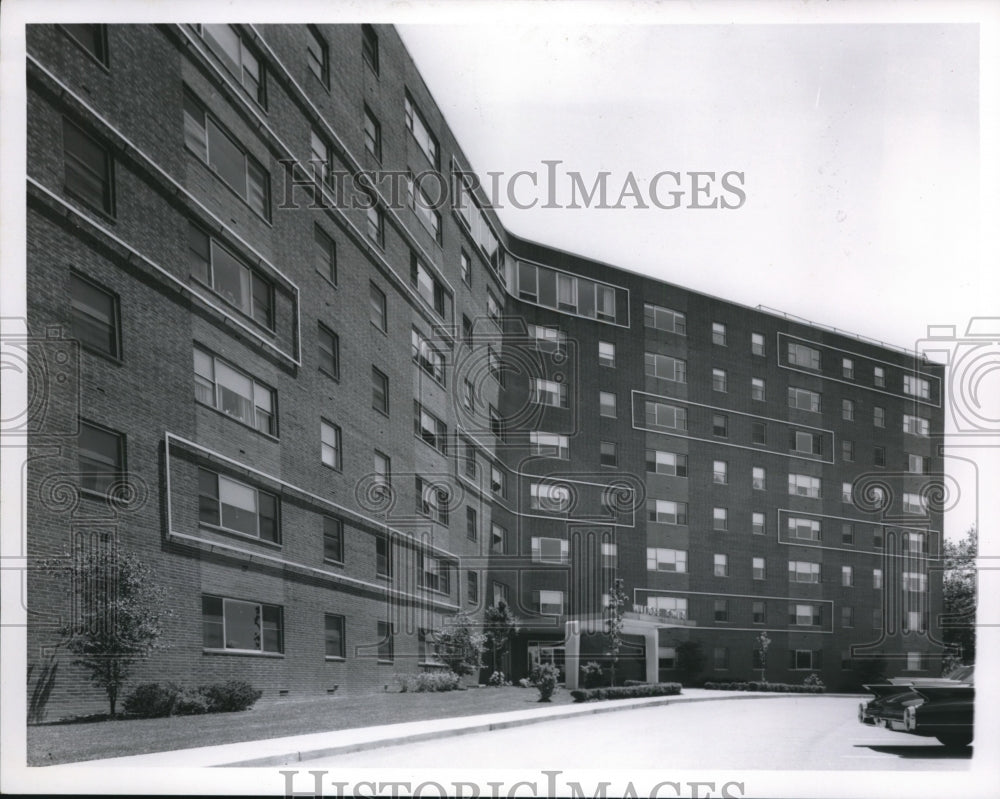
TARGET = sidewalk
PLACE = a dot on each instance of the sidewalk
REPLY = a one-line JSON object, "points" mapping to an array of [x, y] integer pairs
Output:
{"points": [[298, 748]]}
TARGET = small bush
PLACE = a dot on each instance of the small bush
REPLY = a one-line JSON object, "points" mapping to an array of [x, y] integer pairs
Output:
{"points": [[151, 700], [768, 687], [593, 674], [814, 679], [525, 682], [229, 697], [635, 682], [544, 677], [430, 682], [498, 680], [191, 703], [627, 692]]}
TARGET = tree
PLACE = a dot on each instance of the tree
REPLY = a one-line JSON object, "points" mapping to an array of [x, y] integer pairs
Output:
{"points": [[459, 646], [616, 620], [499, 625], [959, 588], [763, 642], [690, 660], [119, 621]]}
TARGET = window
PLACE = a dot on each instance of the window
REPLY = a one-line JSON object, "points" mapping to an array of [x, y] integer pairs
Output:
{"points": [[500, 592], [666, 560], [493, 309], [665, 367], [241, 62], [420, 131], [916, 386], [878, 376], [382, 468], [913, 503], [468, 457], [878, 416], [494, 364], [547, 339], [847, 492], [472, 587], [609, 453], [914, 661], [758, 433], [429, 428], [566, 292], [228, 159], [916, 464], [471, 524], [424, 207], [721, 610], [847, 533], [426, 356], [804, 615], [878, 456], [719, 379], [242, 626], [758, 523], [847, 576], [757, 389], [720, 472], [467, 331], [848, 368], [329, 351], [719, 333], [804, 659], [92, 38], [549, 550], [759, 609], [720, 519], [606, 354], [915, 425], [383, 556], [802, 485], [333, 540], [846, 616], [847, 410], [759, 569], [549, 497], [803, 571], [319, 157], [319, 57], [334, 635], [95, 316], [498, 539], [238, 507], [383, 631], [527, 282], [913, 621], [759, 478], [803, 399], [380, 391], [230, 278], [465, 265], [720, 425], [609, 555], [720, 658], [433, 573], [609, 402], [376, 225], [877, 538], [801, 441], [605, 300], [847, 449], [877, 619], [369, 47], [373, 134], [378, 307], [757, 343], [801, 355], [548, 603], [326, 254], [876, 578], [330, 452], [667, 511], [89, 169], [498, 482], [665, 319], [234, 392], [662, 462], [720, 565], [497, 424], [548, 392], [101, 457], [659, 414], [550, 445], [805, 529]]}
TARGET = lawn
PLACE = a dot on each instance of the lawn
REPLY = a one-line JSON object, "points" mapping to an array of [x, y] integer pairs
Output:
{"points": [[67, 742]]}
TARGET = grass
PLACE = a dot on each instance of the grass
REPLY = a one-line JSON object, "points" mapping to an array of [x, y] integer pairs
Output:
{"points": [[77, 740]]}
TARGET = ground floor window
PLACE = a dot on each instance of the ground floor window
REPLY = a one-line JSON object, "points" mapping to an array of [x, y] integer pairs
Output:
{"points": [[334, 632], [539, 653], [385, 641], [235, 624], [805, 659]]}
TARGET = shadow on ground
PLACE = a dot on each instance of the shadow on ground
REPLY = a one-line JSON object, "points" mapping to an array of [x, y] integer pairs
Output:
{"points": [[928, 752]]}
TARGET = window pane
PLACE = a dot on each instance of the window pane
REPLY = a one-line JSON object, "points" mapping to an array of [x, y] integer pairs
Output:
{"points": [[211, 622], [227, 159], [242, 625], [231, 278], [95, 321], [239, 506]]}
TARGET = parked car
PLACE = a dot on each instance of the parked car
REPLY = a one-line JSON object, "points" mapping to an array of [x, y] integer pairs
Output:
{"points": [[938, 707]]}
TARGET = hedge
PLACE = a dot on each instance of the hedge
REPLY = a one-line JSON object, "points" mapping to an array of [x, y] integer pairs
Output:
{"points": [[429, 682], [627, 692], [769, 687], [155, 700]]}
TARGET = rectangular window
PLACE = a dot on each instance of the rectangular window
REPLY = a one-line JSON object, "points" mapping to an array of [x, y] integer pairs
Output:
{"points": [[721, 610], [429, 428], [659, 414], [420, 131], [665, 319], [847, 492], [382, 468], [319, 55], [230, 278], [547, 339], [666, 560], [846, 576], [369, 47], [661, 462], [241, 626], [497, 425], [915, 425], [498, 539], [877, 538], [664, 367], [759, 569], [609, 453], [378, 306], [92, 38], [373, 134], [550, 445], [500, 592], [609, 404], [847, 410], [759, 478], [667, 511], [916, 464], [471, 524], [330, 452], [498, 482], [847, 450], [846, 616], [467, 454], [916, 386], [550, 497], [878, 456], [494, 364], [848, 368], [424, 207], [878, 376], [88, 169], [803, 571], [804, 615], [431, 500], [878, 416], [720, 518], [720, 472], [549, 550], [493, 308], [803, 399], [801, 355], [803, 659], [758, 523], [757, 389], [380, 391], [877, 619], [376, 225], [467, 331], [95, 316], [914, 543], [566, 292], [758, 433], [333, 625], [238, 507], [472, 587], [757, 343], [719, 334], [914, 661], [426, 356], [847, 533], [720, 565], [803, 485], [333, 540], [720, 425], [326, 254], [609, 555], [527, 282], [549, 392], [433, 573], [242, 63], [759, 609], [234, 392], [719, 380], [329, 351], [800, 441], [386, 642], [606, 354], [548, 603], [383, 556], [243, 173], [101, 457], [805, 529], [876, 578]]}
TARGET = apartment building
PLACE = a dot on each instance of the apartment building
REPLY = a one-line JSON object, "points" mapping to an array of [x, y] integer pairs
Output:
{"points": [[334, 411]]}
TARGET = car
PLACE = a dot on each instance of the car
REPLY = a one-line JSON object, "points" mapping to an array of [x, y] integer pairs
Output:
{"points": [[938, 707]]}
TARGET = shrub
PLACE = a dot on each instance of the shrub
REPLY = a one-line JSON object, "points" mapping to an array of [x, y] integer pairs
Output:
{"points": [[498, 680], [459, 646], [814, 679], [544, 677], [191, 703], [230, 696], [635, 682], [151, 700], [430, 682], [627, 692], [593, 674], [769, 687], [525, 682]]}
